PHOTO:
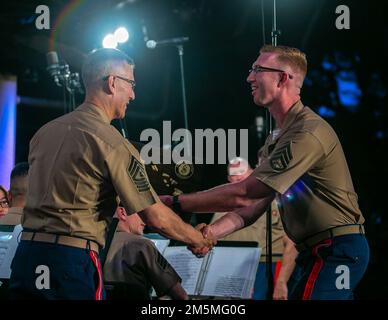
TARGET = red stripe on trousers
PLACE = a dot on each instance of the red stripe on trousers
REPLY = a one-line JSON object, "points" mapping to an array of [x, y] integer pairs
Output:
{"points": [[97, 264], [308, 290], [278, 266]]}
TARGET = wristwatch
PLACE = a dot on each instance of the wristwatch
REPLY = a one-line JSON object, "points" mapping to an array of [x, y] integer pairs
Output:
{"points": [[176, 204]]}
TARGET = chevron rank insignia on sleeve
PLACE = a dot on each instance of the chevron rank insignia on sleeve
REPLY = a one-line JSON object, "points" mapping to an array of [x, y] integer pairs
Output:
{"points": [[162, 262], [280, 159], [137, 173]]}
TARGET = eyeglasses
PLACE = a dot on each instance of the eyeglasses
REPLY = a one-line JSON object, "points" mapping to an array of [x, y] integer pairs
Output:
{"points": [[131, 82], [4, 203], [259, 68]]}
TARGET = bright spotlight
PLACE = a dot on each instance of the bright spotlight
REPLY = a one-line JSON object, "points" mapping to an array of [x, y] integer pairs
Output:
{"points": [[121, 35], [109, 41]]}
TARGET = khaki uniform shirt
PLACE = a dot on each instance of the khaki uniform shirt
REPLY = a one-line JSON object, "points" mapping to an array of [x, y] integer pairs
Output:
{"points": [[305, 164], [135, 260], [13, 217], [79, 163], [258, 232]]}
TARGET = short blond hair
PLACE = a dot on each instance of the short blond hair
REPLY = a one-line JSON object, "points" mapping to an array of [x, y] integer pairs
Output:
{"points": [[293, 57]]}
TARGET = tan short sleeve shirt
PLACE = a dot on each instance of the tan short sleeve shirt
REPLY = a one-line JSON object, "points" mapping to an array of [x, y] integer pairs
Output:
{"points": [[79, 164], [305, 164]]}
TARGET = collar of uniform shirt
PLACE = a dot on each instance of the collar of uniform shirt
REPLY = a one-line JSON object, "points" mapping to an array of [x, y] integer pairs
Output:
{"points": [[95, 110], [290, 117]]}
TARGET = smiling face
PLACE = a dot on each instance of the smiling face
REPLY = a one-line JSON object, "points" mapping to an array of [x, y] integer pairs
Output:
{"points": [[123, 91], [265, 85]]}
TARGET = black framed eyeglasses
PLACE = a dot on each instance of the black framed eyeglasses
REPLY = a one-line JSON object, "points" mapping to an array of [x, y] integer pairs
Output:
{"points": [[4, 203], [131, 82], [259, 68]]}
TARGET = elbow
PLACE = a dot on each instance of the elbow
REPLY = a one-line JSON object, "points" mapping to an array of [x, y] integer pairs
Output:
{"points": [[241, 202], [156, 224], [154, 220], [242, 198]]}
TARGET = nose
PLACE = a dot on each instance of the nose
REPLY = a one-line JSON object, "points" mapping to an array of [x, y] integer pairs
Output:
{"points": [[250, 77], [132, 95]]}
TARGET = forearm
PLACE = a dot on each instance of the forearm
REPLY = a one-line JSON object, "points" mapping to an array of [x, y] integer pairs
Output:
{"points": [[223, 198], [239, 218], [288, 262], [164, 221], [228, 197]]}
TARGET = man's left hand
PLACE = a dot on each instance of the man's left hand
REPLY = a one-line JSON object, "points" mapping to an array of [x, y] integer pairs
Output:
{"points": [[281, 291], [207, 234]]}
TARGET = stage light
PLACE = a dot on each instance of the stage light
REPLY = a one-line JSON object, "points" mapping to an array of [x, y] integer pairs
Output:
{"points": [[8, 102], [121, 35], [109, 41]]}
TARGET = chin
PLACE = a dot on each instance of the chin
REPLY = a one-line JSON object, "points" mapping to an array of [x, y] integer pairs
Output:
{"points": [[259, 103]]}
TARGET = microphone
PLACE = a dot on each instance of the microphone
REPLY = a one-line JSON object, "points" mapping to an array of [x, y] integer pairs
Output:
{"points": [[53, 67], [152, 44]]}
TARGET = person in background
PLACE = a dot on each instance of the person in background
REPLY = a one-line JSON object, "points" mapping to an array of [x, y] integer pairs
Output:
{"points": [[134, 261], [17, 194], [4, 202]]}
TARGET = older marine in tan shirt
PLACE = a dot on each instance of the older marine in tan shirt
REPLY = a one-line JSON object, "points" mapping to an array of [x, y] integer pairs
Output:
{"points": [[75, 180]]}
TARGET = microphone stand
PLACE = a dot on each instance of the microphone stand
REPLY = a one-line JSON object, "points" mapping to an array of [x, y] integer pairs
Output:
{"points": [[188, 217], [270, 278], [183, 86], [70, 82]]}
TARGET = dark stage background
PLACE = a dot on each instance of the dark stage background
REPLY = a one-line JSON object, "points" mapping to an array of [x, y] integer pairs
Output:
{"points": [[346, 81]]}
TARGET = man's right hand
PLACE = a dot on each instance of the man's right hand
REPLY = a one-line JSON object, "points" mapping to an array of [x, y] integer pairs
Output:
{"points": [[208, 244]]}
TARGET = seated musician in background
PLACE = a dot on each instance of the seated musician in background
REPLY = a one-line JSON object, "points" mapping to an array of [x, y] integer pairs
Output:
{"points": [[135, 262]]}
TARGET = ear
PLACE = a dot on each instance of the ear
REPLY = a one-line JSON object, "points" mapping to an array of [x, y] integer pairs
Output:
{"points": [[283, 79], [121, 214], [111, 85]]}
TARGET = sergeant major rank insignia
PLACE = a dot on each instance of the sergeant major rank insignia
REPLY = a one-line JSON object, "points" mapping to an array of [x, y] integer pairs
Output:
{"points": [[280, 159], [138, 175]]}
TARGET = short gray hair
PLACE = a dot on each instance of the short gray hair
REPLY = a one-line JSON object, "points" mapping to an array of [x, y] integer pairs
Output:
{"points": [[101, 62]]}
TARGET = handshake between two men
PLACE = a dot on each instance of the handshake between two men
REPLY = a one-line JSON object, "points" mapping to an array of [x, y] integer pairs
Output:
{"points": [[209, 239], [218, 229], [238, 198]]}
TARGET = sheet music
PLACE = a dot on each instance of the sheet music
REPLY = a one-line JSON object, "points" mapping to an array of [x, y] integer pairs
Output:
{"points": [[8, 245], [186, 265], [160, 242], [232, 272]]}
